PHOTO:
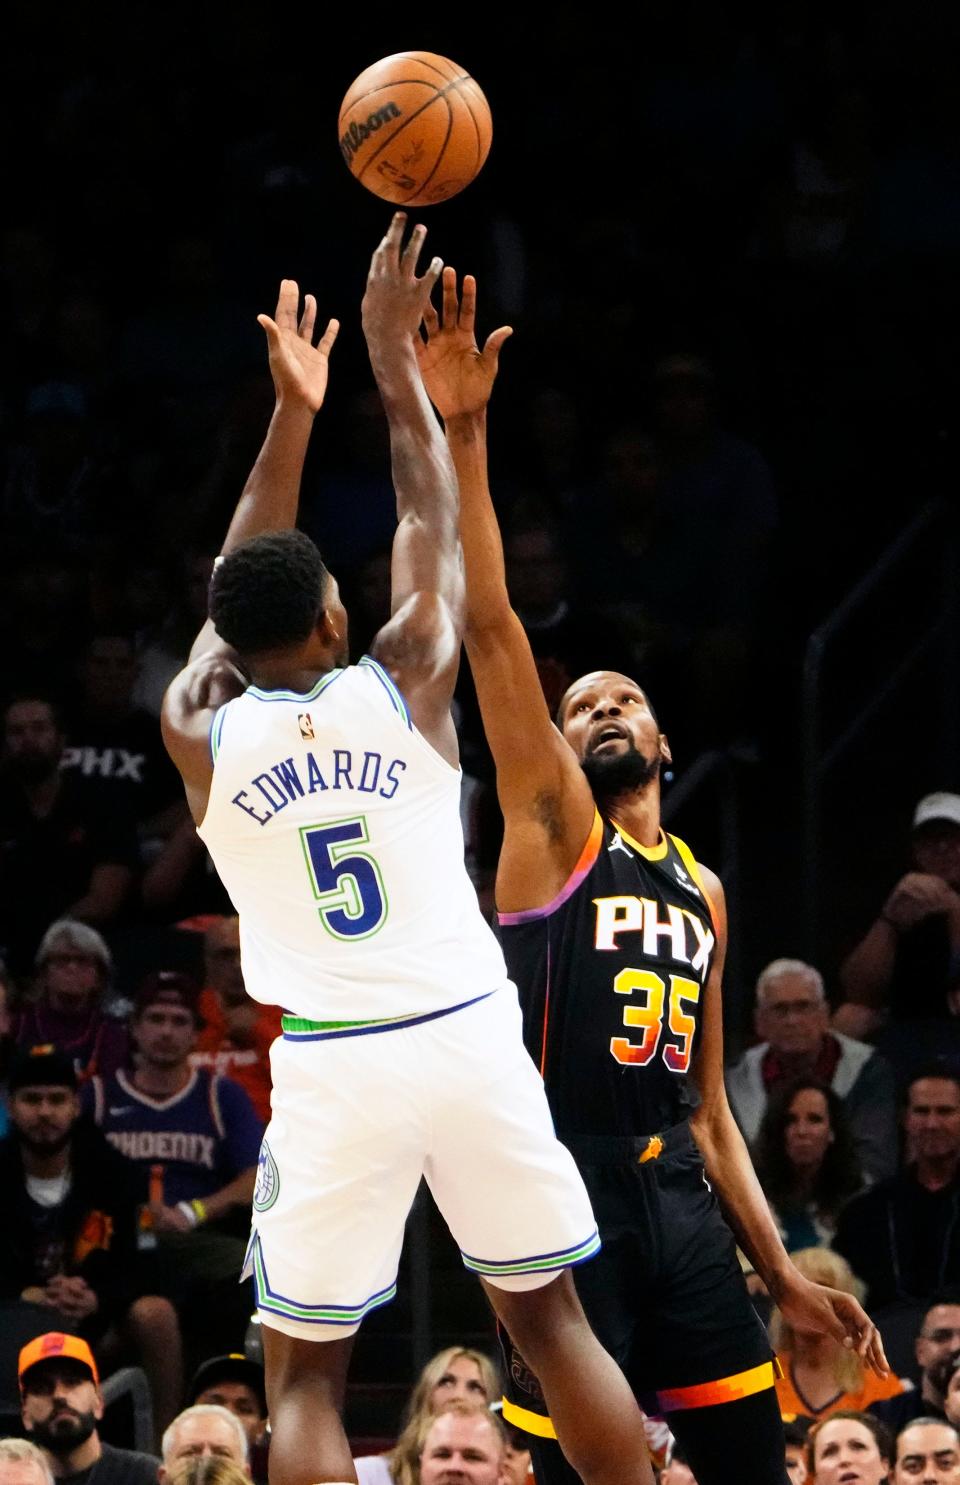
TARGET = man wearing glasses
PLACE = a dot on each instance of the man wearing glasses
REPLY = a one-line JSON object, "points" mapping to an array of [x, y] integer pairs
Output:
{"points": [[937, 1352], [792, 1021]]}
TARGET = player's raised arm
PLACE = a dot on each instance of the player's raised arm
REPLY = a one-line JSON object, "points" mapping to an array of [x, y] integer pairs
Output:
{"points": [[267, 503], [271, 495], [420, 645], [539, 781]]}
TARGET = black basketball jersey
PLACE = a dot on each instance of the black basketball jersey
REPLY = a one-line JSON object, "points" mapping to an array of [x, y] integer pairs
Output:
{"points": [[610, 976]]}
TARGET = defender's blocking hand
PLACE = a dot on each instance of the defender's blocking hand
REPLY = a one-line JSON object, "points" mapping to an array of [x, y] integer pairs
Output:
{"points": [[458, 376]]}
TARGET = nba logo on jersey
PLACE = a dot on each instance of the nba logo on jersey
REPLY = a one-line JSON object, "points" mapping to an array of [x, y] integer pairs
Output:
{"points": [[306, 726]]}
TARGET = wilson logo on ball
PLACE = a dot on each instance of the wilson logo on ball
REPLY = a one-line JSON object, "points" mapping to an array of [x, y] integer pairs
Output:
{"points": [[414, 128], [359, 133]]}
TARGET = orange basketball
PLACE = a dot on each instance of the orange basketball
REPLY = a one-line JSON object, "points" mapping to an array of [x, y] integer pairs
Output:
{"points": [[415, 128]]}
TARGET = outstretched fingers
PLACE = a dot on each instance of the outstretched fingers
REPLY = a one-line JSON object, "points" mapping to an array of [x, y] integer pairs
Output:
{"points": [[270, 327], [468, 303], [410, 254], [495, 341], [431, 320], [288, 303], [451, 307], [325, 344], [308, 319]]}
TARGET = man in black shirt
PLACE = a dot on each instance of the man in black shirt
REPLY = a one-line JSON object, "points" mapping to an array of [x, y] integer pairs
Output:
{"points": [[902, 1237], [61, 1405], [116, 744], [938, 1352], [62, 853]]}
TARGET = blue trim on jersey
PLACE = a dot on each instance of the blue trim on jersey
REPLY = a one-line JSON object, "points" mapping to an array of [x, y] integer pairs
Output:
{"points": [[373, 1028], [306, 1314], [399, 705], [282, 695], [216, 730], [537, 1262]]}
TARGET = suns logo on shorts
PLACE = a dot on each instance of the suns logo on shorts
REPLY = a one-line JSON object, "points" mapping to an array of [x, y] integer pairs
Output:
{"points": [[267, 1189]]}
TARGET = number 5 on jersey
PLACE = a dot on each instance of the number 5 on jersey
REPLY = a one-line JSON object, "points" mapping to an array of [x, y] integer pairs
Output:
{"points": [[346, 882]]}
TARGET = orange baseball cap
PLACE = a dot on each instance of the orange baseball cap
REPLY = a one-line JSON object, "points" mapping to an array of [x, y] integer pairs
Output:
{"points": [[53, 1345]]}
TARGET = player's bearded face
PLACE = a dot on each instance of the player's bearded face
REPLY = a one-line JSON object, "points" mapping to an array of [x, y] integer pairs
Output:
{"points": [[612, 774]]}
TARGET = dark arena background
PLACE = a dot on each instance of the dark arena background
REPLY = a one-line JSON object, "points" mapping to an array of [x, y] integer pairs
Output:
{"points": [[723, 453]]}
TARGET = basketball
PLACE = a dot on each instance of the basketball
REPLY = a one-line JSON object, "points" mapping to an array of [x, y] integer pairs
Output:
{"points": [[414, 128]]}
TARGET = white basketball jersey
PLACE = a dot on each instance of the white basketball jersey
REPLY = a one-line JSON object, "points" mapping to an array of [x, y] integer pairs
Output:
{"points": [[335, 828]]}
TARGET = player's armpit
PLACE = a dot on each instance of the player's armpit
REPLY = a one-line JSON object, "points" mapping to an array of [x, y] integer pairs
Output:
{"points": [[419, 648]]}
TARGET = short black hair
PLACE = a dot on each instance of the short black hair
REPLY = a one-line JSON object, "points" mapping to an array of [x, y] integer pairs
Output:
{"points": [[27, 697], [268, 592], [949, 1295]]}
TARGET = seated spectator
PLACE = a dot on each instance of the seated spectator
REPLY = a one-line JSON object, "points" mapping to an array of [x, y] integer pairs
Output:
{"points": [[928, 1451], [819, 1374], [792, 1021], [203, 1431], [795, 1432], [61, 854], [116, 744], [849, 1446], [73, 967], [902, 1236], [239, 1032], [197, 1137], [907, 965], [462, 1442], [456, 1373], [69, 1234], [237, 1383], [22, 1463], [805, 1162], [61, 1405], [938, 1352]]}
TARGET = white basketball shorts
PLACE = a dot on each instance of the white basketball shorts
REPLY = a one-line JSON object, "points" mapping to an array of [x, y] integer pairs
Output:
{"points": [[359, 1118]]}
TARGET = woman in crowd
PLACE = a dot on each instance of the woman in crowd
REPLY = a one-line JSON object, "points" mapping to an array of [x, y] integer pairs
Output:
{"points": [[820, 1376], [806, 1164], [457, 1371], [850, 1445]]}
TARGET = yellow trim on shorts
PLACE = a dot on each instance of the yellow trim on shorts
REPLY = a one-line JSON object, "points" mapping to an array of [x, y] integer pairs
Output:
{"points": [[535, 1423], [723, 1390], [670, 1400]]}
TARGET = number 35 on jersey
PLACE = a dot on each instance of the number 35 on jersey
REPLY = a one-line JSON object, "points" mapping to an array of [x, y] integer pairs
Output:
{"points": [[659, 1007]]}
